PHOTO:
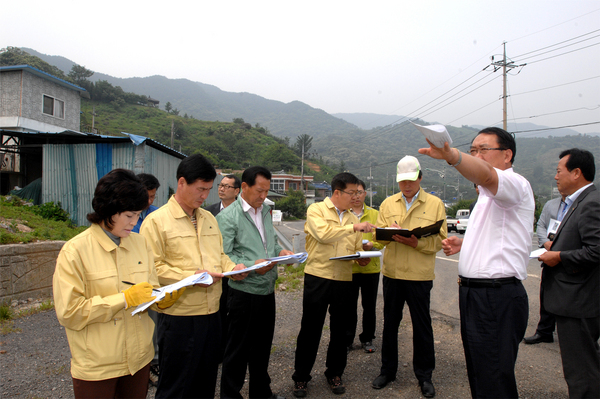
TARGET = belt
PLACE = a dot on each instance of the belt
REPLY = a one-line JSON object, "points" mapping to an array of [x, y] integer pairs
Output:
{"points": [[486, 282]]}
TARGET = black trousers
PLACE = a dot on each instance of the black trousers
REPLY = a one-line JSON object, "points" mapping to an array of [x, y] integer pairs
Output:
{"points": [[249, 339], [416, 294], [321, 294], [368, 285], [188, 355], [493, 322], [578, 339], [223, 309], [547, 322]]}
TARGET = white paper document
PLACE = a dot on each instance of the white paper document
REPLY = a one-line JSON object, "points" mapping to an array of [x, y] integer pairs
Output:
{"points": [[437, 134], [285, 259], [200, 278], [358, 255], [537, 253]]}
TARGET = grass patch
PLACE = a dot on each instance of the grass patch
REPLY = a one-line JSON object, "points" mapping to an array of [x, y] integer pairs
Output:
{"points": [[15, 211], [6, 313], [291, 278], [46, 305], [7, 327]]}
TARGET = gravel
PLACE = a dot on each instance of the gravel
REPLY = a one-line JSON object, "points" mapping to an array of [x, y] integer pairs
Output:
{"points": [[35, 361]]}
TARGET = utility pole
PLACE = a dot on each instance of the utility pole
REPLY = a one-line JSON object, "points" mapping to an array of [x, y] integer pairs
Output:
{"points": [[172, 133], [93, 117], [302, 170], [506, 65], [387, 174], [370, 178]]}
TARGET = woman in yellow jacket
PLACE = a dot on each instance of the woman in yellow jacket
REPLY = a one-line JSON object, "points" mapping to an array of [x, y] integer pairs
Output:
{"points": [[111, 350]]}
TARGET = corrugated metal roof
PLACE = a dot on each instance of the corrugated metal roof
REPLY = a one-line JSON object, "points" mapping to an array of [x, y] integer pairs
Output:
{"points": [[92, 137]]}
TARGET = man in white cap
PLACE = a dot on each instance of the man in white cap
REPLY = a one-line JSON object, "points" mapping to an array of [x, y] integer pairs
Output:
{"points": [[408, 265]]}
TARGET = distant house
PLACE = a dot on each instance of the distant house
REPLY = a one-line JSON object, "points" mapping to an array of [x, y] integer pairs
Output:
{"points": [[322, 190], [39, 139], [282, 182], [152, 102], [33, 100]]}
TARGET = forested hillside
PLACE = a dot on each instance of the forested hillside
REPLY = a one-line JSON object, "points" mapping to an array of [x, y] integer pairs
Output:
{"points": [[209, 103], [255, 138]]}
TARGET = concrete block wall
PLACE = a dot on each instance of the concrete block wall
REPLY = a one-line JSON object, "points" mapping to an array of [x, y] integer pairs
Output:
{"points": [[26, 270]]}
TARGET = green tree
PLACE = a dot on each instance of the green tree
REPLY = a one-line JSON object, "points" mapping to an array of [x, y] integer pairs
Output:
{"points": [[168, 107], [303, 140], [293, 205], [79, 74], [10, 56]]}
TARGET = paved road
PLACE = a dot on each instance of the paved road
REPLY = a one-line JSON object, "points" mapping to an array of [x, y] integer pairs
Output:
{"points": [[444, 296]]}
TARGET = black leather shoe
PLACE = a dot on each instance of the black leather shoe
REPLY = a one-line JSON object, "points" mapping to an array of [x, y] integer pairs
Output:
{"points": [[427, 389], [537, 338], [382, 381]]}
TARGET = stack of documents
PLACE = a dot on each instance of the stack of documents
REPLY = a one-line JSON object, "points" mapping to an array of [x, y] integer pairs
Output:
{"points": [[285, 259], [436, 134], [200, 278]]}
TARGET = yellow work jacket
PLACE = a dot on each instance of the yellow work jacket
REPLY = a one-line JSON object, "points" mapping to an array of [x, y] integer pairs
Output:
{"points": [[326, 237], [402, 261], [179, 252], [105, 340], [369, 215]]}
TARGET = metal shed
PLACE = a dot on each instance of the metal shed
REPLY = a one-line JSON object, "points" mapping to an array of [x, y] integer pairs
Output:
{"points": [[71, 163]]}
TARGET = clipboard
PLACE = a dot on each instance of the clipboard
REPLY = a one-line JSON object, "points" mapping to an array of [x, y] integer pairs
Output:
{"points": [[419, 232]]}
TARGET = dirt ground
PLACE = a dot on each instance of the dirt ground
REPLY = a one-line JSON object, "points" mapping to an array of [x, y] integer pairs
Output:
{"points": [[34, 362]]}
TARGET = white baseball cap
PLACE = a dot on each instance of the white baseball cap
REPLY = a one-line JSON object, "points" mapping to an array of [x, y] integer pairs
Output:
{"points": [[408, 169]]}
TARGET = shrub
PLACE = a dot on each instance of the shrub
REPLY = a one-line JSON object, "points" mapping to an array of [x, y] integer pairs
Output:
{"points": [[52, 211]]}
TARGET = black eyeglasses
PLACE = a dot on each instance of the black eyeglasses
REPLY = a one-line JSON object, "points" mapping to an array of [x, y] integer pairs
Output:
{"points": [[225, 186], [473, 151]]}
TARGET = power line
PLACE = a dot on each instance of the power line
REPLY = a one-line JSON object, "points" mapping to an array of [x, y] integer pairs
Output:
{"points": [[552, 87], [554, 26], [554, 128], [560, 48], [556, 44], [568, 52]]}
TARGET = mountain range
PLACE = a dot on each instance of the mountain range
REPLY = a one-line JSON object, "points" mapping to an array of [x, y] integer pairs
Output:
{"points": [[207, 102], [366, 144]]}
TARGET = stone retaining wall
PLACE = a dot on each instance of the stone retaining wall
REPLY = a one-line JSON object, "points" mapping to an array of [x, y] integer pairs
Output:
{"points": [[26, 270]]}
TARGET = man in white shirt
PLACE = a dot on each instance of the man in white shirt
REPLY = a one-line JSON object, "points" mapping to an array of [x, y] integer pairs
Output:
{"points": [[494, 307]]}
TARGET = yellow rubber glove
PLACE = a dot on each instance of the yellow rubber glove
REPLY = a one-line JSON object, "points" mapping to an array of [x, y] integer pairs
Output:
{"points": [[170, 298], [138, 294]]}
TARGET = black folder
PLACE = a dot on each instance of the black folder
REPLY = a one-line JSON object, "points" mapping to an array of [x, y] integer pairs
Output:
{"points": [[419, 232]]}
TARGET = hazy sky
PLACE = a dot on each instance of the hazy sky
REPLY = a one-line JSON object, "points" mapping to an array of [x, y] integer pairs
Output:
{"points": [[385, 57]]}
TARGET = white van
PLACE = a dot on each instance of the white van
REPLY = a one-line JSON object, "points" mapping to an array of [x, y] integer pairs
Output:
{"points": [[462, 213]]}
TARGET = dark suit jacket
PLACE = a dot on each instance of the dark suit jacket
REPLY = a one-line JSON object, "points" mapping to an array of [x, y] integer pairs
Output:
{"points": [[214, 208], [572, 288]]}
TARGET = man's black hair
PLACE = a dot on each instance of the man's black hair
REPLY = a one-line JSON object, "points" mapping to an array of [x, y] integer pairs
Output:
{"points": [[361, 183], [341, 180], [237, 183], [582, 159], [249, 175], [505, 140], [149, 181], [196, 167]]}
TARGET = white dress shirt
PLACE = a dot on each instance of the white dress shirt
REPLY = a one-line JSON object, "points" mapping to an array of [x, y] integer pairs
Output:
{"points": [[256, 215], [498, 240]]}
